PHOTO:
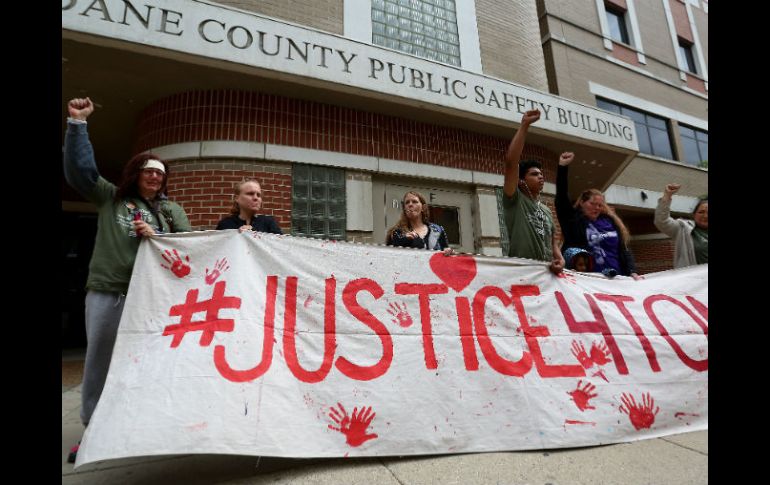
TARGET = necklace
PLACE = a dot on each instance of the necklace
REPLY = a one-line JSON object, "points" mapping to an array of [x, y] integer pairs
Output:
{"points": [[423, 227], [538, 219]]}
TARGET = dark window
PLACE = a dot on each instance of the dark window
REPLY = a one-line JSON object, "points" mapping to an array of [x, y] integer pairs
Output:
{"points": [[685, 49], [651, 131], [695, 144], [449, 219], [616, 19], [318, 202], [78, 235]]}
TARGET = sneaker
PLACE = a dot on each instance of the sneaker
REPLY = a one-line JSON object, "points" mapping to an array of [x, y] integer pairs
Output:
{"points": [[73, 453]]}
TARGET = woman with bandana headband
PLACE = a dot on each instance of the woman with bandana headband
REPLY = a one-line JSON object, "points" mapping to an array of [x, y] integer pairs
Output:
{"points": [[137, 207]]}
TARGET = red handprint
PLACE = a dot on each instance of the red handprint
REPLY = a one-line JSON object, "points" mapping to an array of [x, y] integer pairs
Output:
{"points": [[353, 428], [220, 267], [401, 316], [178, 266], [567, 277], [641, 415], [600, 354], [581, 396], [579, 351]]}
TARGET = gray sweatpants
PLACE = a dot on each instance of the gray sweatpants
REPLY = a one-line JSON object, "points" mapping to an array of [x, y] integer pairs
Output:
{"points": [[103, 311]]}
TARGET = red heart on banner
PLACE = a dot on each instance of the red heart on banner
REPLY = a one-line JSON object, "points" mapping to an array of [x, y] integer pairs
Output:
{"points": [[455, 271]]}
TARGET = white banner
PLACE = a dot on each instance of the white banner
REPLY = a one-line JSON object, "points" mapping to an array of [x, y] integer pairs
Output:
{"points": [[258, 344]]}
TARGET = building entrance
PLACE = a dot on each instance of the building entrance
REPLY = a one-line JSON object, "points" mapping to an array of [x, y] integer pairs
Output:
{"points": [[449, 208]]}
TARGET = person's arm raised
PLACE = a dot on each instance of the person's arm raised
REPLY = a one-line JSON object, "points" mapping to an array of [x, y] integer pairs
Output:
{"points": [[513, 154], [663, 220], [79, 163]]}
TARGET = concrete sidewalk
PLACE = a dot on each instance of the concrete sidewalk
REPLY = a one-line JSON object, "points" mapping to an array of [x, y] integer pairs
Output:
{"points": [[680, 460]]}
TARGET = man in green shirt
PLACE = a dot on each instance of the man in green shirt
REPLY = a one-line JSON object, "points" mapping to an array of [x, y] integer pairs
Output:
{"points": [[529, 221]]}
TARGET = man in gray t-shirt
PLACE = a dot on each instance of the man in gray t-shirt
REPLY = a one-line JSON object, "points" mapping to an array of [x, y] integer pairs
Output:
{"points": [[529, 221]]}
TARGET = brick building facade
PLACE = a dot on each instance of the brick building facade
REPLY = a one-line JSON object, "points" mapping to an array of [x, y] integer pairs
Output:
{"points": [[340, 106]]}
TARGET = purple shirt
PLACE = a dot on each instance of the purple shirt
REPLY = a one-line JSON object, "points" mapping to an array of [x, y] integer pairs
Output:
{"points": [[603, 243]]}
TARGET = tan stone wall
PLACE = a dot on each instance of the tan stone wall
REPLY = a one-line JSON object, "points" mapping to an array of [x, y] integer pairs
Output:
{"points": [[580, 28], [320, 14], [575, 68], [582, 13], [585, 59], [592, 43], [650, 174], [656, 37], [509, 38], [681, 22], [553, 85]]}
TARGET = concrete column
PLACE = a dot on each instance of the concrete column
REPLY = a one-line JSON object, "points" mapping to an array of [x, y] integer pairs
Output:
{"points": [[360, 213], [676, 140], [486, 221]]}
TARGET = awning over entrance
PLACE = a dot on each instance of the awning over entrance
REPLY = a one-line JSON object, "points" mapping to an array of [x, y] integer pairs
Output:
{"points": [[127, 55]]}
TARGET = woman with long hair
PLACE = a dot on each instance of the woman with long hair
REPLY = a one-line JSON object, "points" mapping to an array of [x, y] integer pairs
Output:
{"points": [[593, 225], [414, 229]]}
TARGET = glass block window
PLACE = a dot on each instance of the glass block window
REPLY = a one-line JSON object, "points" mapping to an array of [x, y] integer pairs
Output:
{"points": [[425, 28], [651, 131], [695, 145], [318, 202], [505, 242]]}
